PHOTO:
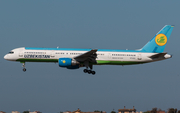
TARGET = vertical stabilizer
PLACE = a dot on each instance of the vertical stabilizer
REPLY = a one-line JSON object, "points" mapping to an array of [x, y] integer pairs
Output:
{"points": [[158, 43]]}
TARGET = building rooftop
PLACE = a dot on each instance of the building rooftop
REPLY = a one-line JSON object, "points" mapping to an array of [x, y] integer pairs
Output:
{"points": [[127, 110]]}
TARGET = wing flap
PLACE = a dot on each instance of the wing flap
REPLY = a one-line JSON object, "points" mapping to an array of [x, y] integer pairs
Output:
{"points": [[89, 56]]}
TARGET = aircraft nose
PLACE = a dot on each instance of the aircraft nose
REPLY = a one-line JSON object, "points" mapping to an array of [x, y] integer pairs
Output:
{"points": [[6, 57]]}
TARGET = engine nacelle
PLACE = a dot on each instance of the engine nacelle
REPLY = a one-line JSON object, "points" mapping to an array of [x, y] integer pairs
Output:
{"points": [[73, 67], [68, 62]]}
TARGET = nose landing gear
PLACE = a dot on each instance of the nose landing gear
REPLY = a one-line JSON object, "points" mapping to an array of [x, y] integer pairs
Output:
{"points": [[24, 69]]}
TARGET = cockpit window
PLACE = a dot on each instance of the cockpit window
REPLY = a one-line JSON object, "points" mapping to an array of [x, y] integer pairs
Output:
{"points": [[11, 52]]}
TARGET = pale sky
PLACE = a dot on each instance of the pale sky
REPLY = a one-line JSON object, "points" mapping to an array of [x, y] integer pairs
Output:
{"points": [[102, 24]]}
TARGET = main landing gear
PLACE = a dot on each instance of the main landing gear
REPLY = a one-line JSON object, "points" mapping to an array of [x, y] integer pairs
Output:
{"points": [[24, 69], [89, 71]]}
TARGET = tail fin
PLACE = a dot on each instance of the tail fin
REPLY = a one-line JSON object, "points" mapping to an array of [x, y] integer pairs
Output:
{"points": [[158, 43]]}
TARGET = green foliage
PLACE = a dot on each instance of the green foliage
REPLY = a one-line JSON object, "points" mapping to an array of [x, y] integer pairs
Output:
{"points": [[96, 111], [159, 109], [113, 111], [172, 110], [154, 110], [26, 112]]}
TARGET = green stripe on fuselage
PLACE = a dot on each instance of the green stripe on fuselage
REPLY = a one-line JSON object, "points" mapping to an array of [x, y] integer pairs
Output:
{"points": [[37, 60], [103, 62], [99, 62]]}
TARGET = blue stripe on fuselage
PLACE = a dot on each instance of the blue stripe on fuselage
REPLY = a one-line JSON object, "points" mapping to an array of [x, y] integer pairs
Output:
{"points": [[72, 49]]}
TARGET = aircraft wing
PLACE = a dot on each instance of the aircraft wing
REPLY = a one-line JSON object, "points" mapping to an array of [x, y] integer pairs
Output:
{"points": [[159, 55], [89, 56]]}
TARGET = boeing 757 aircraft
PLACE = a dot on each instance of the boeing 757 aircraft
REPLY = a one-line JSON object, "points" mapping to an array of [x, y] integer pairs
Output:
{"points": [[76, 58]]}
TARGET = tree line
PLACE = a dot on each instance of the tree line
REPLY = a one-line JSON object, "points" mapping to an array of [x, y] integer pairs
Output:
{"points": [[170, 110], [154, 110]]}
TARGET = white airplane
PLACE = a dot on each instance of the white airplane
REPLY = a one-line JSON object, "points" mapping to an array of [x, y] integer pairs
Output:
{"points": [[76, 58]]}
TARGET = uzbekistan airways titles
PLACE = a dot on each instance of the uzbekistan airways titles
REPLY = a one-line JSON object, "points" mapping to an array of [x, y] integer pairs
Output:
{"points": [[36, 56]]}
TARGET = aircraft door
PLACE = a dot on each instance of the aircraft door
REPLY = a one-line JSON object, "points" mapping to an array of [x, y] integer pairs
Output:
{"points": [[52, 54], [109, 55], [139, 57], [21, 54]]}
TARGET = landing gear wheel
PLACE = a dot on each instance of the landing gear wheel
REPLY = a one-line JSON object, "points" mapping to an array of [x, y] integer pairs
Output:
{"points": [[85, 70], [24, 69], [89, 71], [93, 72]]}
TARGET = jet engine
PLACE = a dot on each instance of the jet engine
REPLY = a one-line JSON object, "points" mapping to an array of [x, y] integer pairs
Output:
{"points": [[68, 63]]}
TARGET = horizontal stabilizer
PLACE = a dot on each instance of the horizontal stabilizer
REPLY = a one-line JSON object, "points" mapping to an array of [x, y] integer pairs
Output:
{"points": [[159, 55]]}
